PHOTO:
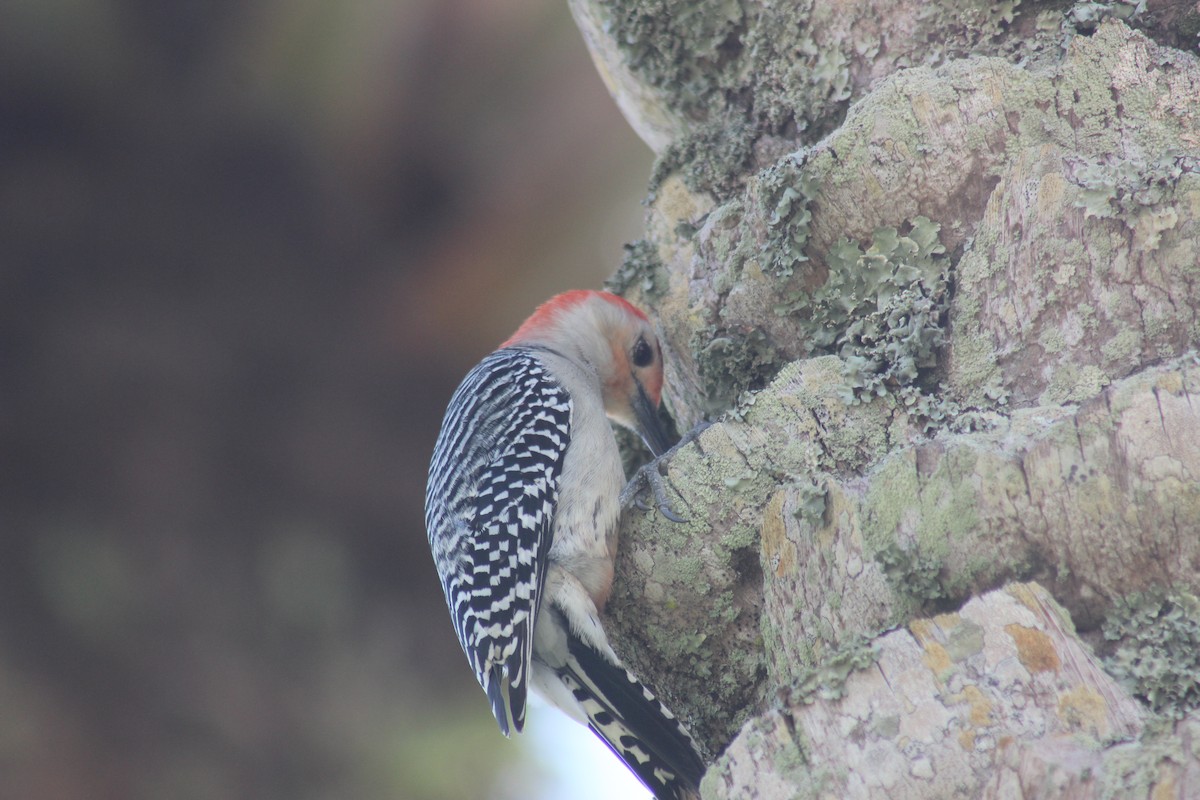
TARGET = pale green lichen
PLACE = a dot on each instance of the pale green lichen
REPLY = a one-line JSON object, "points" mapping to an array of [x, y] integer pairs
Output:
{"points": [[926, 529], [778, 734], [739, 537], [1052, 340], [881, 309], [964, 640], [1122, 349], [913, 575], [786, 191], [1136, 186], [913, 571], [1124, 187], [1073, 384], [826, 680], [1155, 637], [734, 73], [1145, 768], [812, 496], [810, 390], [1086, 16]]}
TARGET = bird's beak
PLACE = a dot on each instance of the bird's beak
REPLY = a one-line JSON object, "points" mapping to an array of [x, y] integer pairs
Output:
{"points": [[648, 426]]}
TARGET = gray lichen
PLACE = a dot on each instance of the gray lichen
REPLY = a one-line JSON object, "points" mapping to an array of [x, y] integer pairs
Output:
{"points": [[732, 363], [640, 269]]}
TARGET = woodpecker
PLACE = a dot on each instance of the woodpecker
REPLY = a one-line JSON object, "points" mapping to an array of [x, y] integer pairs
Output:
{"points": [[522, 510]]}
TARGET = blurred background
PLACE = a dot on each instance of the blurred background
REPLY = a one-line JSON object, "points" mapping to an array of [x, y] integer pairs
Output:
{"points": [[247, 250]]}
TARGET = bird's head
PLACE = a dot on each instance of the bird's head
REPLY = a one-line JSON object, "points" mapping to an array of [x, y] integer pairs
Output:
{"points": [[614, 338]]}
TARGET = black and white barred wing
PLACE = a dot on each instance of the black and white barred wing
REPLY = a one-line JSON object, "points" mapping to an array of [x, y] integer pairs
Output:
{"points": [[493, 488]]}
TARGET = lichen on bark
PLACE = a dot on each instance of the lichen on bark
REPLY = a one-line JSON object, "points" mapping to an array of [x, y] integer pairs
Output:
{"points": [[937, 280]]}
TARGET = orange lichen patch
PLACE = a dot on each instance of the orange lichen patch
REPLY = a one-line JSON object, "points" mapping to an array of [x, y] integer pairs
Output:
{"points": [[947, 622], [937, 659], [1027, 595], [1166, 789], [966, 740], [1170, 382], [981, 708], [1050, 192], [1084, 709], [1034, 648], [777, 550], [936, 656], [922, 631]]}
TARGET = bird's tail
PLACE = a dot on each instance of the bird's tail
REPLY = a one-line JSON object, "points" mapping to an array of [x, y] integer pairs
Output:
{"points": [[633, 723]]}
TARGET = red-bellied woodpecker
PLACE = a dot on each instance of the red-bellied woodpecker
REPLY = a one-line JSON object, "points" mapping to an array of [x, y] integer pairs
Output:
{"points": [[522, 509]]}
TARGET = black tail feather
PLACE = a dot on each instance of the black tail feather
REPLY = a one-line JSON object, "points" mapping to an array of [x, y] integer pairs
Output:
{"points": [[634, 724], [507, 702]]}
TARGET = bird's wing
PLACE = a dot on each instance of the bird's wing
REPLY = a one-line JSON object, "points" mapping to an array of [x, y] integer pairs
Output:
{"points": [[513, 432]]}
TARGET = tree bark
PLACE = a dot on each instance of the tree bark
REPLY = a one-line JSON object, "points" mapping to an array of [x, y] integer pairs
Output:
{"points": [[934, 267]]}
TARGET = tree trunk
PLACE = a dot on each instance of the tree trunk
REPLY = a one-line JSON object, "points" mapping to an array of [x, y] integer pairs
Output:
{"points": [[935, 267]]}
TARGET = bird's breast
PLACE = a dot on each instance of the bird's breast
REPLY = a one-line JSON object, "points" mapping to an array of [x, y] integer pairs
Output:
{"points": [[588, 510]]}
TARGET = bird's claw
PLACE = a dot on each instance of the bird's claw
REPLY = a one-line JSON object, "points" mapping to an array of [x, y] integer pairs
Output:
{"points": [[650, 476], [653, 475]]}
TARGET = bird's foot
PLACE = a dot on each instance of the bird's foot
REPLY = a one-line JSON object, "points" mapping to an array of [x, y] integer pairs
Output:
{"points": [[653, 476]]}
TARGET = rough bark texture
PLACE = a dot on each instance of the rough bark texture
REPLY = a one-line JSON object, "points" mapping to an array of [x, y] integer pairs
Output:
{"points": [[951, 348], [976, 698]]}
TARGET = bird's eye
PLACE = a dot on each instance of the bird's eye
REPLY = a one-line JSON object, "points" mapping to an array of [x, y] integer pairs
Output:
{"points": [[643, 353]]}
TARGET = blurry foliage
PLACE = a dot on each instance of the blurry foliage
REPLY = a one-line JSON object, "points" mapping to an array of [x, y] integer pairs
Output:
{"points": [[89, 582], [238, 244]]}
